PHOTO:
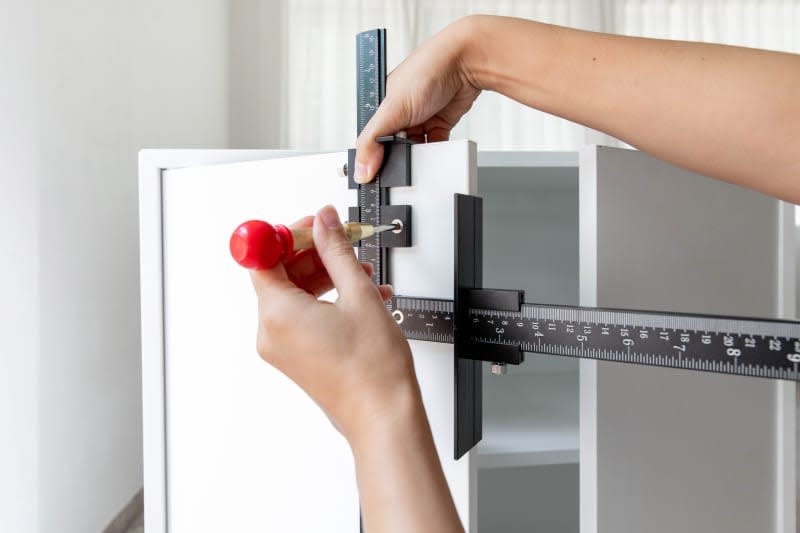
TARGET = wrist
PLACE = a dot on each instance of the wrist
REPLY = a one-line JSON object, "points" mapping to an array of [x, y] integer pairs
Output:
{"points": [[473, 54], [399, 415], [504, 54]]}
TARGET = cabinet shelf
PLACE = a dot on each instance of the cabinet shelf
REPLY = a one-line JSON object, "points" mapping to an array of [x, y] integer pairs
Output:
{"points": [[531, 414]]}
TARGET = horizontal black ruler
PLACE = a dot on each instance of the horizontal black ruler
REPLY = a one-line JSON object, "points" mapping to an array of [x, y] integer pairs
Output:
{"points": [[743, 346]]}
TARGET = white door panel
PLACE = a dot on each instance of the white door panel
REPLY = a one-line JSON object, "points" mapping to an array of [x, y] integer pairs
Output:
{"points": [[247, 450]]}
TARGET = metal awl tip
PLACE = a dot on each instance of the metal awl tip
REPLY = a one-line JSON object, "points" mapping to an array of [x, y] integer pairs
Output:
{"points": [[386, 227]]}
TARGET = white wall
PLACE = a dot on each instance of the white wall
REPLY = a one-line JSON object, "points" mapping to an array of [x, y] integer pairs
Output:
{"points": [[19, 265], [257, 45], [83, 86]]}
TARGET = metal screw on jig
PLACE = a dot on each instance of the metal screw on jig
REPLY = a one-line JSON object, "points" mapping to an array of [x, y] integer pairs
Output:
{"points": [[342, 171], [499, 369]]}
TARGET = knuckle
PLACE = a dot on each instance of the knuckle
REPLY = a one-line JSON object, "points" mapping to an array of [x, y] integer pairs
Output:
{"points": [[405, 106], [272, 331], [362, 290], [340, 248], [363, 287], [365, 141], [264, 346], [271, 326], [274, 323], [361, 142]]}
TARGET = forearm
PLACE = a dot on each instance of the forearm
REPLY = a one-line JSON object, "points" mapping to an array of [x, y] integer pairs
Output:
{"points": [[400, 479], [727, 112]]}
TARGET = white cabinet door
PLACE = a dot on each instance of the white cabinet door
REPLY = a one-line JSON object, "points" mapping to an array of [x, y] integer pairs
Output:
{"points": [[669, 450], [233, 445]]}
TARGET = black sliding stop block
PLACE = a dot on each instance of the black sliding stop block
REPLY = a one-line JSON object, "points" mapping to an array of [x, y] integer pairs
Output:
{"points": [[496, 353], [495, 299], [390, 214], [396, 168], [396, 214], [351, 169]]}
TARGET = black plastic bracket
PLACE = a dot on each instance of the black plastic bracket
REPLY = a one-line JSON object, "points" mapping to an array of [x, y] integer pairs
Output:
{"points": [[493, 353], [399, 215], [390, 214], [395, 172], [497, 300], [396, 167], [469, 294], [468, 274]]}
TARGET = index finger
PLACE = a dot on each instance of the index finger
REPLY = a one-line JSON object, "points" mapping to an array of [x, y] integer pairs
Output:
{"points": [[305, 222], [277, 277]]}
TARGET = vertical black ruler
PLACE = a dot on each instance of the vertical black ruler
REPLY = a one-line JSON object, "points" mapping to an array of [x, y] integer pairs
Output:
{"points": [[370, 90]]}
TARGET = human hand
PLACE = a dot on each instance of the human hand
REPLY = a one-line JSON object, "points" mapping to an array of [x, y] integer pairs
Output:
{"points": [[349, 356], [306, 270], [426, 95]]}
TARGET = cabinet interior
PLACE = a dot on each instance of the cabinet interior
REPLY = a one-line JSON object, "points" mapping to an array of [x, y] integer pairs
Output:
{"points": [[528, 458]]}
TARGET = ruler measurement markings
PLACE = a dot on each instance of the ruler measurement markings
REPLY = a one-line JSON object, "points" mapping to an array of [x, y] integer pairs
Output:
{"points": [[370, 89], [670, 340]]}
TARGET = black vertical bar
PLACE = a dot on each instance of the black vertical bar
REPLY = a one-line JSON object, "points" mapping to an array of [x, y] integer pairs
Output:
{"points": [[477, 371], [382, 267], [382, 64], [468, 274]]}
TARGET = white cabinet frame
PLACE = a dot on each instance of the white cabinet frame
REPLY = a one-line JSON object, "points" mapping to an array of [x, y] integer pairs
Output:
{"points": [[153, 163]]}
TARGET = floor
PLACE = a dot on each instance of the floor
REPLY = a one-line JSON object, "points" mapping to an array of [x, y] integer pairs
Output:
{"points": [[131, 518]]}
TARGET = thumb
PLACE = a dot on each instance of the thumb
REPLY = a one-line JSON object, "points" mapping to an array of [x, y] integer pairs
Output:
{"points": [[387, 120], [336, 253]]}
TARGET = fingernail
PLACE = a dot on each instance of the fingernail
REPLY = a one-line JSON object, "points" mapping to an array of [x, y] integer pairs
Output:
{"points": [[330, 217], [361, 173]]}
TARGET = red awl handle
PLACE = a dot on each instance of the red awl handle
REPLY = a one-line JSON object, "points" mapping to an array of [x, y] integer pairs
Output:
{"points": [[259, 245]]}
